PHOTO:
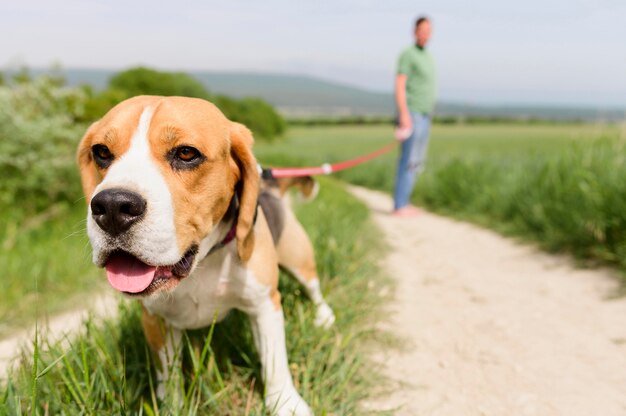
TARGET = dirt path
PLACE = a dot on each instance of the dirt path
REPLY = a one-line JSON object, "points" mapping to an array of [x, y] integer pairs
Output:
{"points": [[495, 327], [57, 327]]}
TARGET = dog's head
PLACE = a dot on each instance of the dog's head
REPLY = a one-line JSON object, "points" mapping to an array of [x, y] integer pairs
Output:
{"points": [[159, 175]]}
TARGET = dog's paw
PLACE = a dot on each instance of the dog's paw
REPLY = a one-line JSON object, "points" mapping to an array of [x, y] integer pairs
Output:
{"points": [[160, 391], [324, 316], [287, 402]]}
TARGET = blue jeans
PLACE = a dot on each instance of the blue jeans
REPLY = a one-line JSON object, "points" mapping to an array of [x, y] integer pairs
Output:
{"points": [[412, 158]]}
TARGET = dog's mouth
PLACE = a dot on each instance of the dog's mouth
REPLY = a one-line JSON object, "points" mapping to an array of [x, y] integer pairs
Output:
{"points": [[132, 276]]}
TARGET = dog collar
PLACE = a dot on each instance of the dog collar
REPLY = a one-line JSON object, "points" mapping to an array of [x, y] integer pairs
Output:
{"points": [[232, 233], [233, 210]]}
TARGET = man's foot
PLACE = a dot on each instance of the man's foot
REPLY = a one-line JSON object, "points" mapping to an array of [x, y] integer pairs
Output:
{"points": [[406, 211]]}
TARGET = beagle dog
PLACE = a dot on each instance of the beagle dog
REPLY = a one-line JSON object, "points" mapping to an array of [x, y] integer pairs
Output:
{"points": [[173, 190]]}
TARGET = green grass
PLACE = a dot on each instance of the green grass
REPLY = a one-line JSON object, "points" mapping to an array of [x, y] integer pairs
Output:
{"points": [[45, 268], [574, 200], [108, 369]]}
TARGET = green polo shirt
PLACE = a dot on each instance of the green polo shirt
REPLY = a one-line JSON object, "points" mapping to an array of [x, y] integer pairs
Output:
{"points": [[419, 67]]}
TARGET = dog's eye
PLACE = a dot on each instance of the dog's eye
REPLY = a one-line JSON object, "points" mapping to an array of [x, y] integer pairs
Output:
{"points": [[186, 153], [102, 155], [185, 157]]}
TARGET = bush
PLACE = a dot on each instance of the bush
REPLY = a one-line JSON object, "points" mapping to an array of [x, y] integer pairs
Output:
{"points": [[38, 139], [574, 200], [140, 80], [99, 102], [259, 116], [342, 121]]}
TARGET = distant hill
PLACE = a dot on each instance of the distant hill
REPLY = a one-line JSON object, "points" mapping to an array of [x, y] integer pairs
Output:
{"points": [[303, 97], [526, 112], [293, 95], [296, 95]]}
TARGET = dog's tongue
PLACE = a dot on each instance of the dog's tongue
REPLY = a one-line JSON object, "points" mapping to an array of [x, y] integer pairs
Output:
{"points": [[128, 274]]}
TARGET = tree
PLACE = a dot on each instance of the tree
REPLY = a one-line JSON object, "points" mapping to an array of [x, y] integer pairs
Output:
{"points": [[258, 115], [146, 81]]}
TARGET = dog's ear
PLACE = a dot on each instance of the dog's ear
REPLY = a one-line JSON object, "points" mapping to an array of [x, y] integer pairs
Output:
{"points": [[249, 182], [88, 173]]}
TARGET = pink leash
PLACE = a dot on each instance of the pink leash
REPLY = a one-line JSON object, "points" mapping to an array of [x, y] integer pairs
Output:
{"points": [[326, 168]]}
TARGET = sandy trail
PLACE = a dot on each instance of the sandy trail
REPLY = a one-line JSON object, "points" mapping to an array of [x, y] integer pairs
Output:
{"points": [[56, 328], [495, 327]]}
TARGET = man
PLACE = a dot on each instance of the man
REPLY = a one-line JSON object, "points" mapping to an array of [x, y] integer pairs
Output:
{"points": [[415, 100]]}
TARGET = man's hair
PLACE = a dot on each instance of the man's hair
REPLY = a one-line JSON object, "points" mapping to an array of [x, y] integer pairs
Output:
{"points": [[421, 20]]}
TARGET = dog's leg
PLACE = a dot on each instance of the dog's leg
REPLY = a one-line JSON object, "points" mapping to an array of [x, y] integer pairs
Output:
{"points": [[307, 276], [268, 329], [164, 341], [296, 255]]}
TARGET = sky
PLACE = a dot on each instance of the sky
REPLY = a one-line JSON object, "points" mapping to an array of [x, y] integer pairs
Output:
{"points": [[533, 52]]}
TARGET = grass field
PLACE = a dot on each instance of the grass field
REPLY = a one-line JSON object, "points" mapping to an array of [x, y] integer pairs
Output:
{"points": [[45, 269], [504, 142], [108, 369], [559, 185]]}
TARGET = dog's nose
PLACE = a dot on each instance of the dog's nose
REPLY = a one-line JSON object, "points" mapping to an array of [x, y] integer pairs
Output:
{"points": [[115, 210]]}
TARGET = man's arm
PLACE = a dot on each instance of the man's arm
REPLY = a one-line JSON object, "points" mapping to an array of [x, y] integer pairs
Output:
{"points": [[403, 110]]}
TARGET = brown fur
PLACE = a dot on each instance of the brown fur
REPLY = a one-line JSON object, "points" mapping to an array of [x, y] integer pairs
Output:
{"points": [[114, 131], [241, 149], [89, 175], [304, 184], [154, 329], [294, 249], [293, 246], [264, 263]]}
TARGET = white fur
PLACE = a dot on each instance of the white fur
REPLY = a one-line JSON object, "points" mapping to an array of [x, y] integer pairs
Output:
{"points": [[268, 329], [324, 316], [219, 283], [170, 358], [316, 189], [153, 239]]}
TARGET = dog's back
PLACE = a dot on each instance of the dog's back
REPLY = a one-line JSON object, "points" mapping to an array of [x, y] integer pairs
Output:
{"points": [[274, 200]]}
